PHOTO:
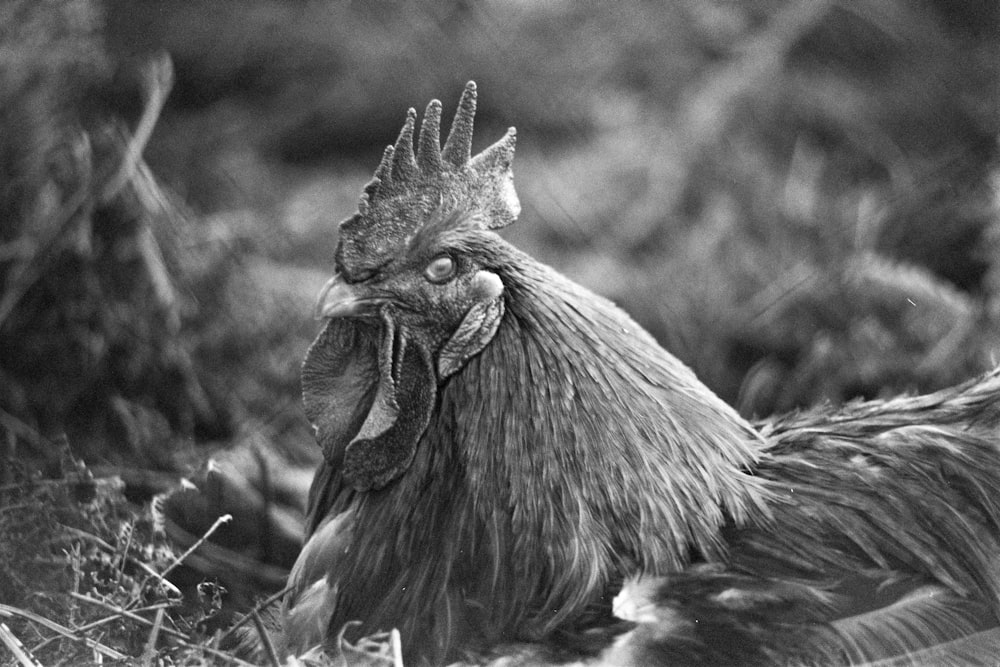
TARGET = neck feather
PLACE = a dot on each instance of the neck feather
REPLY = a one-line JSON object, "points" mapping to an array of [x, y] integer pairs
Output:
{"points": [[587, 429], [572, 452]]}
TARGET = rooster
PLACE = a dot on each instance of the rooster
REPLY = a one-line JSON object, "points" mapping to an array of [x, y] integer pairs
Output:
{"points": [[513, 467]]}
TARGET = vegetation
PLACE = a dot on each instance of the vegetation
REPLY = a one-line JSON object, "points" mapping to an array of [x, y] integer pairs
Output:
{"points": [[796, 197]]}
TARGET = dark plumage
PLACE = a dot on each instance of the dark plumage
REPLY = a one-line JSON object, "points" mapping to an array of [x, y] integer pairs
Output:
{"points": [[504, 450]]}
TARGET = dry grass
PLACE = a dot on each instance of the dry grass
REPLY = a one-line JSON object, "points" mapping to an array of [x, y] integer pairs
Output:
{"points": [[86, 581], [82, 570]]}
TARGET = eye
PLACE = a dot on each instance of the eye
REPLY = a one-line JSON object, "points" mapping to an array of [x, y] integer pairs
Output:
{"points": [[362, 275], [440, 269]]}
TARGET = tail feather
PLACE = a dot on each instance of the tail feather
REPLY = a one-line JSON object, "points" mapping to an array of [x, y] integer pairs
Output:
{"points": [[929, 620], [981, 648], [707, 615], [910, 485], [894, 508]]}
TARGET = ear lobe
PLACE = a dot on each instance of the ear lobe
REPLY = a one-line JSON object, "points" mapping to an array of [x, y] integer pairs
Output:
{"points": [[475, 332], [369, 396]]}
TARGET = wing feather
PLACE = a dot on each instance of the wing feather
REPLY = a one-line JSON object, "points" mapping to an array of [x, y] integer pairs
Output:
{"points": [[929, 620]]}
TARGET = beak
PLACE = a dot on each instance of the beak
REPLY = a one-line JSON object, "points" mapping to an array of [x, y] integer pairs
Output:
{"points": [[337, 299]]}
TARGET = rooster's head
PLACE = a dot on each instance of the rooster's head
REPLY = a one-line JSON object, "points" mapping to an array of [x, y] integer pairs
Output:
{"points": [[413, 279]]}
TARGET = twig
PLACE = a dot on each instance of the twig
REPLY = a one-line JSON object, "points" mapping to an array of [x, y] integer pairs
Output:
{"points": [[159, 77], [135, 561], [98, 623], [796, 279], [149, 651], [75, 557], [155, 481], [27, 432], [946, 346], [21, 277], [125, 613], [123, 552], [15, 646], [265, 639], [159, 276], [177, 635], [222, 655], [217, 653], [31, 484], [225, 518], [267, 602], [107, 651]]}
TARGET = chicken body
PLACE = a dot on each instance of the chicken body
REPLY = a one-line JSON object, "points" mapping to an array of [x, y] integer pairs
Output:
{"points": [[539, 483], [504, 451]]}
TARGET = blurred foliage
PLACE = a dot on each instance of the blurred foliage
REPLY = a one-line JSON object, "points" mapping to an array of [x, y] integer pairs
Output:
{"points": [[118, 305], [755, 182], [88, 322]]}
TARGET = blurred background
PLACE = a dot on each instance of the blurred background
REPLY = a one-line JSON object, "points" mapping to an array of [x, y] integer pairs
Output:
{"points": [[797, 197]]}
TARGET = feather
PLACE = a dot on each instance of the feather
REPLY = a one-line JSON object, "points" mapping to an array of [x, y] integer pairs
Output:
{"points": [[489, 535], [872, 486], [929, 617], [310, 605], [980, 648]]}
